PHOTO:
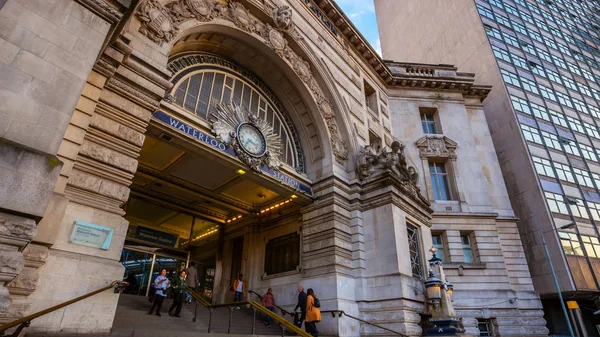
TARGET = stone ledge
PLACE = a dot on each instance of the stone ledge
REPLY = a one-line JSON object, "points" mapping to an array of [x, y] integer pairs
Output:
{"points": [[16, 231], [465, 265]]}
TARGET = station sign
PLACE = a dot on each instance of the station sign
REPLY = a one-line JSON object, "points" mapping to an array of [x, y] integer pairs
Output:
{"points": [[153, 236], [206, 139], [87, 234]]}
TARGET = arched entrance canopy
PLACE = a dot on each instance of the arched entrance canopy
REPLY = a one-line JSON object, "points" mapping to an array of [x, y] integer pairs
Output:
{"points": [[202, 79], [165, 23]]}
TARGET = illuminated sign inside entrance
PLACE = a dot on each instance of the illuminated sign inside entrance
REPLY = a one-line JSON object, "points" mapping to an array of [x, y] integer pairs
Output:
{"points": [[216, 144], [321, 16]]}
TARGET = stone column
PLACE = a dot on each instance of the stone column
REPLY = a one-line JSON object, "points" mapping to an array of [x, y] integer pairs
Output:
{"points": [[327, 257], [388, 206]]}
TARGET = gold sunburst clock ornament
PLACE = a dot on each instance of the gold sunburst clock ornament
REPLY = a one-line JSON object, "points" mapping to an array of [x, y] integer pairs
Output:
{"points": [[253, 140]]}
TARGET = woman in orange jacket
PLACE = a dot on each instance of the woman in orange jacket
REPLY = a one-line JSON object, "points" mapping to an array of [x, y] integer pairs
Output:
{"points": [[313, 313]]}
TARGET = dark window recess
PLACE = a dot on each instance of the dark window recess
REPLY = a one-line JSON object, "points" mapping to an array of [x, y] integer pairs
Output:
{"points": [[282, 254], [486, 327]]}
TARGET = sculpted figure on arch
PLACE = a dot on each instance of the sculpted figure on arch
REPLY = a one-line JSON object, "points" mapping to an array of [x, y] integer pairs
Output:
{"points": [[283, 18]]}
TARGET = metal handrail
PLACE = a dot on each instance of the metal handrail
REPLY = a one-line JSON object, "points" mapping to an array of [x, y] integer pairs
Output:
{"points": [[26, 321], [256, 307], [283, 311], [342, 313]]}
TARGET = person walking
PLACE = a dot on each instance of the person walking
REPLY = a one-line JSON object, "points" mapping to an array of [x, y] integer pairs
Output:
{"points": [[191, 280], [178, 289], [239, 287], [313, 313], [301, 305], [161, 283], [268, 301]]}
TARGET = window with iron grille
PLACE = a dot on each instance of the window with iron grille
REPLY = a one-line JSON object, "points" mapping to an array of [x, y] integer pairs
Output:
{"points": [[414, 247], [485, 326]]}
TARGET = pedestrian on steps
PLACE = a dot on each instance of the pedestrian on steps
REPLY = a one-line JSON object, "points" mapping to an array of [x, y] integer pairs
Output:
{"points": [[179, 287], [313, 313], [302, 306], [161, 283], [239, 287], [268, 301], [192, 279]]}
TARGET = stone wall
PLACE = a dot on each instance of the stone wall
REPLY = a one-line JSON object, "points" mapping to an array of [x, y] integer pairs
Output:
{"points": [[47, 49], [497, 283]]}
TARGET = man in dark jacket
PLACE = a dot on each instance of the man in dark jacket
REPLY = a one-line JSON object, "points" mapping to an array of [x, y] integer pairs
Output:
{"points": [[302, 305]]}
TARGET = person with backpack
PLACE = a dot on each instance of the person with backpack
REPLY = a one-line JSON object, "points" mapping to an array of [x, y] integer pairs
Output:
{"points": [[161, 283], [313, 313]]}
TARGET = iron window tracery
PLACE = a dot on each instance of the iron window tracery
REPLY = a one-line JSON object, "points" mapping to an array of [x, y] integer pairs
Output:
{"points": [[414, 248], [201, 79]]}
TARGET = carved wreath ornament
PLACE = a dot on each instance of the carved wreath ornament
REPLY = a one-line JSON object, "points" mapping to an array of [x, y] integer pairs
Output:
{"points": [[252, 138], [160, 24]]}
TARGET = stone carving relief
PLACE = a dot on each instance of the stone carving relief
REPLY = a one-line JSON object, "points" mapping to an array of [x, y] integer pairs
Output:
{"points": [[374, 157], [437, 146], [160, 25], [157, 23], [282, 15], [201, 10]]}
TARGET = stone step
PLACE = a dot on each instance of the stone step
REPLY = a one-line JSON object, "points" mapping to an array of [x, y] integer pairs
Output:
{"points": [[132, 320]]}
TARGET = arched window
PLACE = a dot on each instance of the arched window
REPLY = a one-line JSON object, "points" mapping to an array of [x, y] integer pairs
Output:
{"points": [[201, 80]]}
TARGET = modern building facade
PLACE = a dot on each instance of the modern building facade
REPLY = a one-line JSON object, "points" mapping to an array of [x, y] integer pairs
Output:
{"points": [[256, 137], [542, 58]]}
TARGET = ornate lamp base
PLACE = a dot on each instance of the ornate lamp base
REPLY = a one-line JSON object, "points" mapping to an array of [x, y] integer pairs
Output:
{"points": [[445, 327]]}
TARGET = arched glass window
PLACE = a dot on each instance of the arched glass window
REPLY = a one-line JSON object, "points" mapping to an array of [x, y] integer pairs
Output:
{"points": [[198, 87]]}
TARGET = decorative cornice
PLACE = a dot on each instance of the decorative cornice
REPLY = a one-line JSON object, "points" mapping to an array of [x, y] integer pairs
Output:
{"points": [[103, 10], [435, 77], [352, 34], [415, 75]]}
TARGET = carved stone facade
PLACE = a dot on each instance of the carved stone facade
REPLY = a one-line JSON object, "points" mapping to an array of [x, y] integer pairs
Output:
{"points": [[159, 23], [367, 220]]}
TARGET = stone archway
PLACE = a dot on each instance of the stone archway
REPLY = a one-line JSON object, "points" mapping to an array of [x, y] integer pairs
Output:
{"points": [[125, 87], [162, 24]]}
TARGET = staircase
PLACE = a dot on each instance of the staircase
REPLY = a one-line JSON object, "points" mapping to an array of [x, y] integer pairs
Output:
{"points": [[132, 320]]}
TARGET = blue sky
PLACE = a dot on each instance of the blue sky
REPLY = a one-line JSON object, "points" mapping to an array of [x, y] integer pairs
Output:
{"points": [[362, 14]]}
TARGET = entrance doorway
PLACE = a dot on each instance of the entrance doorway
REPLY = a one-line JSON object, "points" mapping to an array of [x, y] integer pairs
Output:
{"points": [[236, 258], [184, 201]]}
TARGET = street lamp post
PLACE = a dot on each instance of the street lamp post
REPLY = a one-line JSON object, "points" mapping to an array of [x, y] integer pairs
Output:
{"points": [[562, 303], [439, 292]]}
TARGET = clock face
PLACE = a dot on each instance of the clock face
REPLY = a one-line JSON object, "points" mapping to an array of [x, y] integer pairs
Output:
{"points": [[251, 139]]}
